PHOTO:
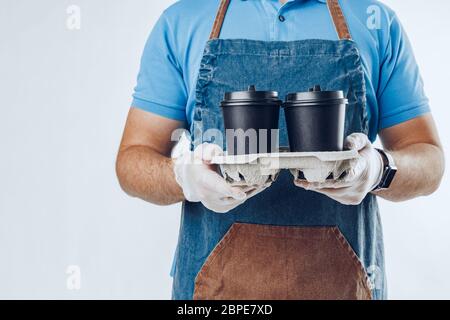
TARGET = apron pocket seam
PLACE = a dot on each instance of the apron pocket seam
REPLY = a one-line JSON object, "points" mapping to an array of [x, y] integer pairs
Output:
{"points": [[215, 253], [364, 280]]}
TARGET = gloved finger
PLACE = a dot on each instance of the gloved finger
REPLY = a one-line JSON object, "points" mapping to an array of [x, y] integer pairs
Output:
{"points": [[207, 151], [330, 184], [227, 201], [257, 191], [250, 188], [250, 192], [356, 141], [335, 194], [329, 188], [330, 193], [354, 174], [345, 196], [247, 189], [356, 170], [221, 206], [215, 184], [310, 185], [303, 184]]}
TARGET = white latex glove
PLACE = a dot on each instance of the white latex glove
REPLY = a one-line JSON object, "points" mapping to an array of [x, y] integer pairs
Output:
{"points": [[365, 174], [200, 181]]}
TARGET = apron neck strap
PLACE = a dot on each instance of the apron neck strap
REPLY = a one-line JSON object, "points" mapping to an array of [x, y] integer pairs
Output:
{"points": [[218, 22], [333, 6], [339, 20]]}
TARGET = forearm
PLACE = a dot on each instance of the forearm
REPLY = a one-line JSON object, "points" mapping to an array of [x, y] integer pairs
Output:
{"points": [[148, 175], [420, 170]]}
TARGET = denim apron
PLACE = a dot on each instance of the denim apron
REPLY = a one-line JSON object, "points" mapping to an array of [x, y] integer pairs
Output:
{"points": [[286, 242]]}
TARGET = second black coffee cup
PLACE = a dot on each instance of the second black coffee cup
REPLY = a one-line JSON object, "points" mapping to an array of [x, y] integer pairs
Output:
{"points": [[315, 120], [251, 121]]}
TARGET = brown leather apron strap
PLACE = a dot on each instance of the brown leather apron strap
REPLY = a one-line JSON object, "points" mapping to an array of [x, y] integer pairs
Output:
{"points": [[339, 20], [218, 22], [333, 6]]}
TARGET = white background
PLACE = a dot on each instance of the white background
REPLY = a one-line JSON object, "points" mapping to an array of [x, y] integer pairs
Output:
{"points": [[64, 96]]}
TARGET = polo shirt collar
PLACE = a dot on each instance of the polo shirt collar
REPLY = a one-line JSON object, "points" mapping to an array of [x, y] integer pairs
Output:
{"points": [[322, 1]]}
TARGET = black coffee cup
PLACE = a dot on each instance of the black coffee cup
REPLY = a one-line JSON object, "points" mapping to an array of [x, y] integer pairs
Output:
{"points": [[251, 121], [315, 120]]}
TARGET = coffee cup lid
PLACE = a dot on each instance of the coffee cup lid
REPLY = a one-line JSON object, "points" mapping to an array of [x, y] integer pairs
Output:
{"points": [[315, 96], [251, 95]]}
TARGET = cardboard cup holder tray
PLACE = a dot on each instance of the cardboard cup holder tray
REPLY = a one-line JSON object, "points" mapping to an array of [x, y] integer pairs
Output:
{"points": [[257, 169]]}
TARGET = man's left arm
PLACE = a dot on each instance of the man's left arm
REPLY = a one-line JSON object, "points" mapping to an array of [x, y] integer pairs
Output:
{"points": [[417, 154]]}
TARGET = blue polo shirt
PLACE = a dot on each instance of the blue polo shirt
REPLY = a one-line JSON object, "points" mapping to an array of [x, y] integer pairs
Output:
{"points": [[172, 54]]}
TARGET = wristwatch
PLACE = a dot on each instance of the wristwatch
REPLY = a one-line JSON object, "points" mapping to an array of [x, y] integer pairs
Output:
{"points": [[389, 171]]}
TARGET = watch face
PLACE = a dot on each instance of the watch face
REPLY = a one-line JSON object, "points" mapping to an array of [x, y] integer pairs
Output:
{"points": [[389, 177], [390, 170]]}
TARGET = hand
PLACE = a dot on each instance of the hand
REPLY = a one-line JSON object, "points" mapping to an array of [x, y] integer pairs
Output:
{"points": [[364, 175], [200, 181]]}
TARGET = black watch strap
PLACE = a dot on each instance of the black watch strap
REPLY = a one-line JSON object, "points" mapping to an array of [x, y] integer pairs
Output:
{"points": [[389, 171]]}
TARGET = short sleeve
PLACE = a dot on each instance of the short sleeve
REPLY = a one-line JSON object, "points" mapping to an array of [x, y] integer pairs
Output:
{"points": [[160, 86], [400, 94]]}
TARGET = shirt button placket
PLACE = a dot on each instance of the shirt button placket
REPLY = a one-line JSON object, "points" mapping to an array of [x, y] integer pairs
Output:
{"points": [[281, 19]]}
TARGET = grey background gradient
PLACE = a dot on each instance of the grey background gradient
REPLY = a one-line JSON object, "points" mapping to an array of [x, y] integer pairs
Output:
{"points": [[64, 96]]}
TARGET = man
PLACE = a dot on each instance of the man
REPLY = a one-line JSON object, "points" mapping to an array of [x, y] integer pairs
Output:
{"points": [[286, 241]]}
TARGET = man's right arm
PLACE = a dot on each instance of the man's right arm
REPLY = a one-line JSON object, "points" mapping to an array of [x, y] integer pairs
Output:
{"points": [[144, 167]]}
